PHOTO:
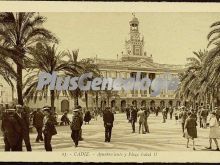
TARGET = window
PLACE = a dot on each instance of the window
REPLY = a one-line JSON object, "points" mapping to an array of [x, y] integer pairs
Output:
{"points": [[137, 51]]}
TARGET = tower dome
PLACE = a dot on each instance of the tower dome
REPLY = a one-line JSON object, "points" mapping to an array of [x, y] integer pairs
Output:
{"points": [[134, 20]]}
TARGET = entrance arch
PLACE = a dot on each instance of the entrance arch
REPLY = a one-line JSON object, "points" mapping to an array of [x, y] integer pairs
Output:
{"points": [[103, 104], [178, 103], [134, 103], [152, 103], [65, 105], [170, 103], [113, 103], [123, 105], [162, 103], [143, 103]]}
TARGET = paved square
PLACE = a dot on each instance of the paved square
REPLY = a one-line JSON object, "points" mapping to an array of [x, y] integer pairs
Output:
{"points": [[163, 137]]}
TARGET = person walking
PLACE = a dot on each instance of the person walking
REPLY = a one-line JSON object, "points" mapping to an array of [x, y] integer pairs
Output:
{"points": [[171, 112], [64, 119], [164, 113], [128, 113], [12, 131], [87, 117], [176, 114], [214, 131], [183, 116], [157, 110], [146, 115], [133, 118], [49, 129], [24, 120], [108, 118], [141, 116], [75, 126], [81, 115], [204, 115], [38, 119], [190, 131]]}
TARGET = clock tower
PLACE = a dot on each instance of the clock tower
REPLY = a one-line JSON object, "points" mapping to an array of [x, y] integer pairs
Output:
{"points": [[134, 47]]}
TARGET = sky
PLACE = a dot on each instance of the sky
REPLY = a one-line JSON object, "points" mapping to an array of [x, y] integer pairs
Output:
{"points": [[169, 37]]}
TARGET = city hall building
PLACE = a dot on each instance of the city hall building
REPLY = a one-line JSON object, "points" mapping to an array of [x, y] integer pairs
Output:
{"points": [[133, 60]]}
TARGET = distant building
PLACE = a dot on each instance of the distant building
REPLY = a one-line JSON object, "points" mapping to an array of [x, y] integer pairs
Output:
{"points": [[5, 93]]}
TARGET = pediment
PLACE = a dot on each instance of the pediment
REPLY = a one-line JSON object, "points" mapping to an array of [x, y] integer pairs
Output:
{"points": [[142, 63]]}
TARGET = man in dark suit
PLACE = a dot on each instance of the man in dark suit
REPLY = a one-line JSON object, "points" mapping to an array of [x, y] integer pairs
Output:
{"points": [[108, 118], [23, 119], [75, 126], [49, 128], [128, 112], [12, 131], [38, 118], [133, 118]]}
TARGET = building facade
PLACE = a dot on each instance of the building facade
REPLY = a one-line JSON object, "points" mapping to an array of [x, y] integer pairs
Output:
{"points": [[136, 60]]}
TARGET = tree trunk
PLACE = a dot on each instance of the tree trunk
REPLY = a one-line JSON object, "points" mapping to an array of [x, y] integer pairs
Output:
{"points": [[97, 99], [52, 100], [12, 93], [76, 99], [218, 98], [108, 100], [19, 84], [86, 98]]}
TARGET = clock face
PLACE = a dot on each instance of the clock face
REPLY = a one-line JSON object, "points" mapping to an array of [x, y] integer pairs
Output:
{"points": [[135, 36]]}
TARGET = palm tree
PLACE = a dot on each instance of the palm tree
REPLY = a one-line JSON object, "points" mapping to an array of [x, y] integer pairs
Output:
{"points": [[211, 67], [47, 59], [211, 70], [18, 32], [190, 80], [214, 34], [89, 66], [81, 66]]}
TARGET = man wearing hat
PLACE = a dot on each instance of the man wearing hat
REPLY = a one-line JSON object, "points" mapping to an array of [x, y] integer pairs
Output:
{"points": [[76, 125], [49, 128], [38, 118], [12, 131], [108, 118], [133, 118], [81, 115], [23, 119]]}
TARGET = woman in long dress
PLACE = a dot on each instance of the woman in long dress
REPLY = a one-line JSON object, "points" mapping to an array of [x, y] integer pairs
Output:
{"points": [[214, 131], [190, 131]]}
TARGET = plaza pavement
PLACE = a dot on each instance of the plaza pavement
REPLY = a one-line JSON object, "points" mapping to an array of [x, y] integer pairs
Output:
{"points": [[163, 137]]}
